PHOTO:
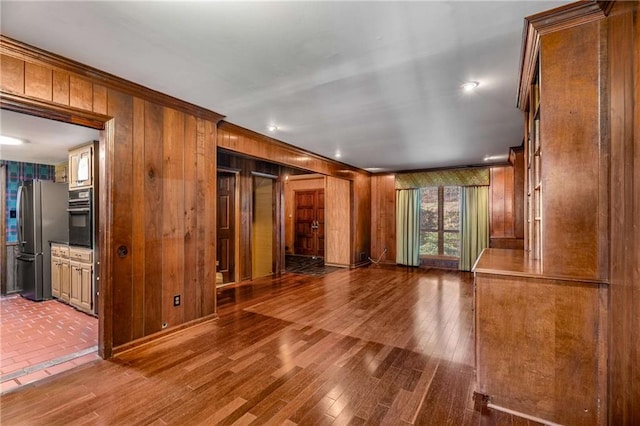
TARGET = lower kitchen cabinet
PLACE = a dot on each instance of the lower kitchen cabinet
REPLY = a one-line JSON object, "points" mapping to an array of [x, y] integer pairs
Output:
{"points": [[60, 285], [81, 278]]}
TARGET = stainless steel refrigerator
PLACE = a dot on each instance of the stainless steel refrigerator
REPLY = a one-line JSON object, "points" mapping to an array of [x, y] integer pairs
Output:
{"points": [[42, 217]]}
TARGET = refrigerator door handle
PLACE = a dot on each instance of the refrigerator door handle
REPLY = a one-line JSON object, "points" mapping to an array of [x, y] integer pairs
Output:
{"points": [[19, 213]]}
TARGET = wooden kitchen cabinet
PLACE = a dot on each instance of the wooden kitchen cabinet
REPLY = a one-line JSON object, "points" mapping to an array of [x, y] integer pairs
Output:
{"points": [[81, 278], [55, 271], [81, 167], [60, 285]]}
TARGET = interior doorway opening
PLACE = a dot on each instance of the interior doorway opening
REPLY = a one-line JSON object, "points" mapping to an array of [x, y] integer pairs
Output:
{"points": [[48, 325]]}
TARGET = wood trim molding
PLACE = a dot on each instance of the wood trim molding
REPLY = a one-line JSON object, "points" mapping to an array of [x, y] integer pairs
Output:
{"points": [[234, 128], [32, 54], [51, 111], [553, 20]]}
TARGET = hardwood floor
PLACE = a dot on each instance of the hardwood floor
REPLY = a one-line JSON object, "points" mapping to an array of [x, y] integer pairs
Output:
{"points": [[373, 345]]}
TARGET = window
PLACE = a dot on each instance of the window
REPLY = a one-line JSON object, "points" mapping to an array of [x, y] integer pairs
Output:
{"points": [[440, 221]]}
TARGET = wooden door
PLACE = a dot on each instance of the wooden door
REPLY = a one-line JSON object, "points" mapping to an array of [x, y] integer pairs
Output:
{"points": [[309, 222], [226, 226]]}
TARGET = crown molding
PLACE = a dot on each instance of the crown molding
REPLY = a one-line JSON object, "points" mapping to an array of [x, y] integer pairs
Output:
{"points": [[550, 21], [32, 54]]}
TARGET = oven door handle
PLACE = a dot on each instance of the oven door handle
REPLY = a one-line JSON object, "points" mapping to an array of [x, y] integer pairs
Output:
{"points": [[80, 210]]}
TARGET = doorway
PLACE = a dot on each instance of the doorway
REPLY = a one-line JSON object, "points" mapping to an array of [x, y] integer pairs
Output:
{"points": [[49, 336], [226, 225], [263, 225]]}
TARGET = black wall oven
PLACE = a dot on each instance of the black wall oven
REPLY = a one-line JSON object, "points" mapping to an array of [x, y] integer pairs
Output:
{"points": [[81, 218]]}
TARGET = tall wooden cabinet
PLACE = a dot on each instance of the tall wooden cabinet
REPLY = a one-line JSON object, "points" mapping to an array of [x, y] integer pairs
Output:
{"points": [[81, 167], [542, 314]]}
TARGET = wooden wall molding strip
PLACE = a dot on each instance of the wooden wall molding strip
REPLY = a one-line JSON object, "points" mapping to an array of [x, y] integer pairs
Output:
{"points": [[51, 111], [553, 20], [31, 54], [303, 158]]}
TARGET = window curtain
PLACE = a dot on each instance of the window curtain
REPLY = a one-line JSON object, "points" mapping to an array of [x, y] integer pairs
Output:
{"points": [[408, 227], [474, 224]]}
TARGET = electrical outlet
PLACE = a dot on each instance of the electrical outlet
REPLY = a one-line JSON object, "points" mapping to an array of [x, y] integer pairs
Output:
{"points": [[176, 300]]}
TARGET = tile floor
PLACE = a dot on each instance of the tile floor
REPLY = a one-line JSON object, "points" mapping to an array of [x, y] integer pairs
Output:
{"points": [[39, 339]]}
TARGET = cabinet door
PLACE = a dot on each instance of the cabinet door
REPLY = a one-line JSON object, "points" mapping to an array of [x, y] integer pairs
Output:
{"points": [[76, 284], [55, 277], [73, 168], [65, 280], [86, 286]]}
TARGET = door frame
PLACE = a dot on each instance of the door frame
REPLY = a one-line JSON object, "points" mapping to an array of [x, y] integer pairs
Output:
{"points": [[277, 244], [105, 156], [237, 219]]}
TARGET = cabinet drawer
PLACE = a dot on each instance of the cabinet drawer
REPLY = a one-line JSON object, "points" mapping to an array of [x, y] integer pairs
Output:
{"points": [[81, 255], [55, 251], [63, 252]]}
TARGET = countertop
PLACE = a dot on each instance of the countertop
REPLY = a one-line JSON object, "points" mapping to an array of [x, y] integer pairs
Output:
{"points": [[516, 263], [59, 242]]}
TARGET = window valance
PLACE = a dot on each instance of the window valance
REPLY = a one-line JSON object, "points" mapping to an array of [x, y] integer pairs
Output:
{"points": [[477, 176]]}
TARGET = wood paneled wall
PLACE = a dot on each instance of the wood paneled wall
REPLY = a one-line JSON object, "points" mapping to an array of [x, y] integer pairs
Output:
{"points": [[506, 204], [297, 183], [383, 217], [157, 166], [338, 231], [624, 351], [236, 139]]}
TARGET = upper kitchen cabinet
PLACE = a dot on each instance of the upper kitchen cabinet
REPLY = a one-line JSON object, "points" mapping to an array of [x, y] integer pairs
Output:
{"points": [[81, 166]]}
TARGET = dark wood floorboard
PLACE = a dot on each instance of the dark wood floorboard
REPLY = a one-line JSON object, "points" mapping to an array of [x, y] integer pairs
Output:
{"points": [[371, 346]]}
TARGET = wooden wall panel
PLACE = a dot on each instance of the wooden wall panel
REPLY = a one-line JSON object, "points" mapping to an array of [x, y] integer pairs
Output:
{"points": [[153, 201], [99, 99], [506, 216], [571, 148], [191, 310], [338, 222], [38, 81], [207, 185], [151, 211], [361, 219], [80, 93], [120, 107], [138, 221], [624, 350], [383, 217], [173, 216], [12, 76], [61, 89], [245, 142]]}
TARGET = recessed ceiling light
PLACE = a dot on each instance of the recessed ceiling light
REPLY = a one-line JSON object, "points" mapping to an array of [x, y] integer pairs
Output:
{"points": [[272, 128], [468, 86], [338, 154], [8, 140]]}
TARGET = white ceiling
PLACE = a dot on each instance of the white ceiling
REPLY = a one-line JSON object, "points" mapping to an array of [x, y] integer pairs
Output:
{"points": [[46, 141], [377, 81]]}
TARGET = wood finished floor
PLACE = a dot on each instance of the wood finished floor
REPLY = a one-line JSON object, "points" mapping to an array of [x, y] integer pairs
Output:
{"points": [[367, 346]]}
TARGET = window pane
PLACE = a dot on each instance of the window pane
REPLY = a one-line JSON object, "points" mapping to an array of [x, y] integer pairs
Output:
{"points": [[429, 209], [429, 243], [452, 244], [451, 208]]}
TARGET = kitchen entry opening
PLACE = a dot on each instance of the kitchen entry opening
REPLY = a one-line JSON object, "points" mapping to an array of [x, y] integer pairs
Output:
{"points": [[440, 226]]}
